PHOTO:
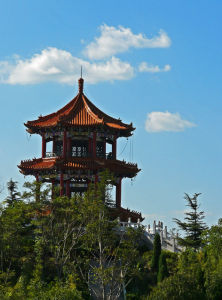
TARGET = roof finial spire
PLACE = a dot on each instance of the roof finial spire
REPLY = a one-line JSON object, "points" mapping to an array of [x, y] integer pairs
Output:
{"points": [[81, 82]]}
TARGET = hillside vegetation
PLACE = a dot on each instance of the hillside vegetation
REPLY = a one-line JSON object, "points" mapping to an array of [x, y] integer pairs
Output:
{"points": [[69, 249]]}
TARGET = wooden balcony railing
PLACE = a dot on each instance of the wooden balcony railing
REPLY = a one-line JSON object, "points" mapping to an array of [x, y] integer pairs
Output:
{"points": [[50, 154], [99, 155]]}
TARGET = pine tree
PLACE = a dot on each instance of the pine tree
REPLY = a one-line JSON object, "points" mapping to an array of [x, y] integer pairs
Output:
{"points": [[156, 252], [163, 270], [192, 225], [14, 195]]}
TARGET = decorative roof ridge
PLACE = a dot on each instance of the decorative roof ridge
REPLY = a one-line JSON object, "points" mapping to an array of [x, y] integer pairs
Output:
{"points": [[72, 108], [80, 101], [127, 211], [80, 159], [37, 160], [31, 160], [89, 110], [102, 114]]}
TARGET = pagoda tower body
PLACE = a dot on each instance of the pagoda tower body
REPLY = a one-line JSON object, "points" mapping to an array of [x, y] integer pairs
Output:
{"points": [[79, 134]]}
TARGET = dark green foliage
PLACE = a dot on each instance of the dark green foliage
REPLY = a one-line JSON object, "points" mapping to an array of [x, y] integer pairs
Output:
{"points": [[193, 224], [213, 240], [14, 195], [213, 261], [58, 249], [62, 249], [143, 280], [114, 254], [187, 282], [172, 262], [214, 283], [53, 290], [178, 287], [163, 270], [156, 253], [191, 263], [16, 240]]}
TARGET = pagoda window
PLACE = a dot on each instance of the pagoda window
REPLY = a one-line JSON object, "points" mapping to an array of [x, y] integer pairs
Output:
{"points": [[100, 149], [79, 149]]}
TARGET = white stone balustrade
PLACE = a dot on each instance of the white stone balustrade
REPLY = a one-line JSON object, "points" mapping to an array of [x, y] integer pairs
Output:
{"points": [[168, 240]]}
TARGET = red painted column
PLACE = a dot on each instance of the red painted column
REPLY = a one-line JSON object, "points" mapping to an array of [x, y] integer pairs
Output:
{"points": [[90, 147], [118, 193], [53, 145], [43, 146], [68, 194], [61, 184], [114, 148], [69, 150], [64, 144], [94, 144], [104, 149]]}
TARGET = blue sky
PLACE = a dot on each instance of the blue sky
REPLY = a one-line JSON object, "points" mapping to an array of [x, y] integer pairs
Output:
{"points": [[155, 63]]}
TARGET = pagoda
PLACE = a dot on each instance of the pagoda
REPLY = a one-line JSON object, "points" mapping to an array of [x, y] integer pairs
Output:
{"points": [[79, 134]]}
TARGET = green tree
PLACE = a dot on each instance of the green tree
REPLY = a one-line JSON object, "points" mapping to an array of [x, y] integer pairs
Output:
{"points": [[61, 231], [192, 263], [13, 194], [193, 224], [16, 241], [177, 287], [213, 282], [111, 253], [163, 270], [186, 283], [213, 261], [156, 252], [142, 281], [213, 241], [64, 248]]}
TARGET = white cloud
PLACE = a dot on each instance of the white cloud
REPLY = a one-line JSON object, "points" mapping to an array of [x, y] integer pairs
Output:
{"points": [[57, 65], [5, 69], [144, 67], [165, 121], [119, 39]]}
